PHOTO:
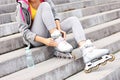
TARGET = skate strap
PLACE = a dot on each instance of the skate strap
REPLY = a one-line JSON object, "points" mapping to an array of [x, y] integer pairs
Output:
{"points": [[59, 40]]}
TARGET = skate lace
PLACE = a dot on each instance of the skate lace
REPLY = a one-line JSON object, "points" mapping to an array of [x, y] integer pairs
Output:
{"points": [[89, 47], [61, 40]]}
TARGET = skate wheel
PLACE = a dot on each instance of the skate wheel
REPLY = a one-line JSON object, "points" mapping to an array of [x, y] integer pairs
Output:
{"points": [[69, 57], [74, 57], [96, 67], [58, 56], [112, 59], [88, 71], [104, 63]]}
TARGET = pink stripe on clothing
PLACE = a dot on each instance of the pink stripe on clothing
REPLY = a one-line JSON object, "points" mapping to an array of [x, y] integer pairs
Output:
{"points": [[22, 14]]}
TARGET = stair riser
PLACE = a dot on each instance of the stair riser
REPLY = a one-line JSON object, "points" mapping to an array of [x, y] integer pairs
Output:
{"points": [[64, 1], [99, 34], [83, 4], [7, 8], [8, 29], [11, 44], [68, 69], [96, 20], [7, 18], [103, 33], [7, 1], [46, 55], [87, 23], [89, 11], [18, 63], [63, 71]]}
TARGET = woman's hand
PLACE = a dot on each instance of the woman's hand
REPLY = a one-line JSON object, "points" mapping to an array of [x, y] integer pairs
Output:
{"points": [[46, 41], [59, 28], [50, 42], [63, 33]]}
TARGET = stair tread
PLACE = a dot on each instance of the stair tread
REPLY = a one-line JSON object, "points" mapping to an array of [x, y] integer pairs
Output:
{"points": [[99, 14], [48, 65], [103, 72], [17, 52]]}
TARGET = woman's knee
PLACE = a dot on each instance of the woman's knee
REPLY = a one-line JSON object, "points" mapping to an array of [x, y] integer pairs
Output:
{"points": [[45, 5], [36, 44], [74, 18]]}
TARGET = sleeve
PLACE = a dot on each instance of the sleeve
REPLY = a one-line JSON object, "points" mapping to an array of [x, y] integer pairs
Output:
{"points": [[53, 9], [23, 26]]}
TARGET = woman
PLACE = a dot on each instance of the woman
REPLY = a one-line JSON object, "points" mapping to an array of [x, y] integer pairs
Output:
{"points": [[47, 29]]}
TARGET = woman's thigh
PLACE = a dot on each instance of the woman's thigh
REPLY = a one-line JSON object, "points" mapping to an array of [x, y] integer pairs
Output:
{"points": [[66, 25], [39, 27]]}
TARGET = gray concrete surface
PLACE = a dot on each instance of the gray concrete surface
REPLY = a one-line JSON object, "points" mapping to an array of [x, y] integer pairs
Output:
{"points": [[8, 29], [89, 10], [111, 71], [12, 54], [101, 30], [7, 1], [81, 4], [100, 18], [8, 8], [55, 69], [7, 18]]}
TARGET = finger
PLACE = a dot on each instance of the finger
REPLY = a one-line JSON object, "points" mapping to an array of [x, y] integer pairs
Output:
{"points": [[64, 35], [53, 44], [51, 39]]}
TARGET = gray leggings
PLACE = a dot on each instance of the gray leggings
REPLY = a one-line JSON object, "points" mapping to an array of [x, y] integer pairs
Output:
{"points": [[44, 21]]}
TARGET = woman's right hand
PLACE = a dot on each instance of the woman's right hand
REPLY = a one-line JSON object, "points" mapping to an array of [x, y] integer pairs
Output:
{"points": [[50, 42], [46, 41]]}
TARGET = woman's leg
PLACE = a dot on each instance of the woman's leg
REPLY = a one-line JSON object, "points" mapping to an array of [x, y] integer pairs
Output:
{"points": [[43, 22], [77, 29]]}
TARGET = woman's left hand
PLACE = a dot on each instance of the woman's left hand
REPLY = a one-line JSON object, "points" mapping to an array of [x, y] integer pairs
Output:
{"points": [[63, 33]]}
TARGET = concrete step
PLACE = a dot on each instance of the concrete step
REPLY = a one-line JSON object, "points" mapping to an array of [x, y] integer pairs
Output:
{"points": [[55, 69], [7, 18], [89, 10], [8, 29], [5, 48], [110, 71], [14, 59], [12, 5], [87, 21], [81, 4], [68, 1], [7, 1], [11, 43], [7, 8], [100, 18], [64, 1]]}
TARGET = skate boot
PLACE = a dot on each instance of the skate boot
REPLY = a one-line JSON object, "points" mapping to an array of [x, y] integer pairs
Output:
{"points": [[94, 57], [63, 48]]}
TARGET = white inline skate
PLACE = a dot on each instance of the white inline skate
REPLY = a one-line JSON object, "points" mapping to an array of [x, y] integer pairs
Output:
{"points": [[94, 57], [64, 48]]}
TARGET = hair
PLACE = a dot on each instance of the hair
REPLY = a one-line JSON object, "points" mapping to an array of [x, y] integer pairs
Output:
{"points": [[27, 0], [42, 0]]}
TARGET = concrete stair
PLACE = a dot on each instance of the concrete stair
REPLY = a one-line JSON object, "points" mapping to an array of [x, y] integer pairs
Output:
{"points": [[87, 22], [2, 2], [8, 8], [110, 71], [102, 30], [81, 4], [8, 29], [100, 20], [48, 70], [82, 12]]}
